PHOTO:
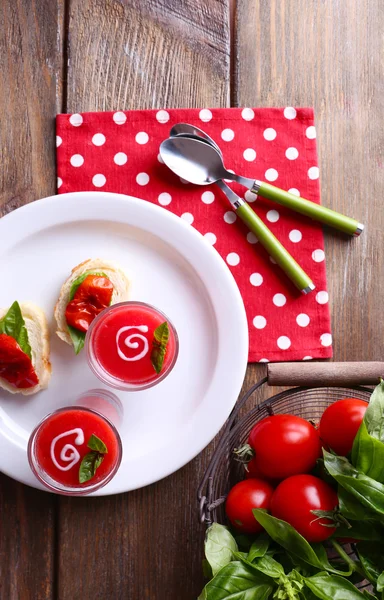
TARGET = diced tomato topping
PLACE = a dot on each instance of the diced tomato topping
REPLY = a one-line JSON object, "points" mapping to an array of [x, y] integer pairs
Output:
{"points": [[15, 365], [91, 297]]}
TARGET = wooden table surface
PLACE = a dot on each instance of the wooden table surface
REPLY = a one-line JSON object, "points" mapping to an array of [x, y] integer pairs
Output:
{"points": [[81, 55]]}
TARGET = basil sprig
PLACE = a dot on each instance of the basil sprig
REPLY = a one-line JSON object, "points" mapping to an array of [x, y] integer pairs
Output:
{"points": [[159, 346], [259, 575], [92, 461], [77, 336], [13, 324]]}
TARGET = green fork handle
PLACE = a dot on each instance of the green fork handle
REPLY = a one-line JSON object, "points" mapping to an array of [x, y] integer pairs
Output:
{"points": [[275, 249]]}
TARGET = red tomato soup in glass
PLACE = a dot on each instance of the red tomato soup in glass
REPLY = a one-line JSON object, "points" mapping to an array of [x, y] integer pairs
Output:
{"points": [[123, 346], [59, 444]]}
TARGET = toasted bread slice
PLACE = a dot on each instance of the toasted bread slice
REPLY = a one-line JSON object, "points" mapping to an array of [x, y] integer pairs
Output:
{"points": [[38, 337], [119, 281]]}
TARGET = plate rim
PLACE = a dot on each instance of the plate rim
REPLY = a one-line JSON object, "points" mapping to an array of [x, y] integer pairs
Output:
{"points": [[191, 237]]}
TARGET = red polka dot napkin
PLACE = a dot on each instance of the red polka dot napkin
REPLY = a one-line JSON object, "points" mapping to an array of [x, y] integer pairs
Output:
{"points": [[119, 152]]}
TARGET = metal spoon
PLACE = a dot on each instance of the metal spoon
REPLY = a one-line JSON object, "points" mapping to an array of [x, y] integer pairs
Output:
{"points": [[194, 171], [233, 198], [207, 167]]}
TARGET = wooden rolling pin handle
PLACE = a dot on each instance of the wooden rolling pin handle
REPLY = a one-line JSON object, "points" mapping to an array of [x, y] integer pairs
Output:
{"points": [[319, 374]]}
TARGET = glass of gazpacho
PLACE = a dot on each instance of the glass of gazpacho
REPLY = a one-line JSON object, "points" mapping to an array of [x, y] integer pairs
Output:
{"points": [[132, 346], [75, 451]]}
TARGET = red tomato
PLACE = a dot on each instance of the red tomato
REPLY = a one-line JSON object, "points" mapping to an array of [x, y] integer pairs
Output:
{"points": [[340, 423], [252, 471], [295, 498], [16, 366], [95, 290], [91, 297], [243, 497], [284, 445]]}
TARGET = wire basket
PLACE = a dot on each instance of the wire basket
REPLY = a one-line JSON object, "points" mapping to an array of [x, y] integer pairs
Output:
{"points": [[224, 471]]}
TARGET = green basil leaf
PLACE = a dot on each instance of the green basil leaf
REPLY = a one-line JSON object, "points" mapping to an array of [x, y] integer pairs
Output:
{"points": [[259, 547], [360, 530], [159, 346], [207, 570], [97, 444], [88, 466], [77, 283], [368, 454], [374, 415], [77, 337], [349, 506], [237, 581], [220, 547], [285, 535], [372, 560], [369, 595], [331, 587], [368, 492], [265, 564], [380, 582], [13, 324]]}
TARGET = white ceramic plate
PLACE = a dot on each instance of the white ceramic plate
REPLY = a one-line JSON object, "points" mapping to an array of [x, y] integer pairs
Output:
{"points": [[172, 267]]}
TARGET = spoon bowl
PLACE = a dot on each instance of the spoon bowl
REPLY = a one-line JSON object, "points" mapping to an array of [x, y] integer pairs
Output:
{"points": [[187, 130], [195, 161]]}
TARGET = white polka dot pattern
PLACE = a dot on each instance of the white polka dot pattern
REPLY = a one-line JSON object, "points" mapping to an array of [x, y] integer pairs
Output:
{"points": [[76, 120], [233, 259], [119, 118], [98, 139], [142, 178], [162, 116], [256, 279], [313, 173], [120, 158], [322, 297], [211, 238], [230, 217], [188, 217], [269, 134], [283, 342], [303, 320], [164, 199], [247, 114], [207, 197], [290, 113], [205, 115], [279, 300], [318, 255], [249, 154], [227, 135], [99, 180], [77, 160], [273, 216], [142, 137], [259, 322], [119, 151], [271, 174]]}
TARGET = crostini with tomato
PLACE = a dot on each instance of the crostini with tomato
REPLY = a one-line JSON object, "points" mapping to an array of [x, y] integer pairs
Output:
{"points": [[92, 286], [24, 349]]}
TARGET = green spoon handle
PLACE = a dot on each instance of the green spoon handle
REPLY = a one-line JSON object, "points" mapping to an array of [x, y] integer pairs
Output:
{"points": [[308, 208], [275, 249]]}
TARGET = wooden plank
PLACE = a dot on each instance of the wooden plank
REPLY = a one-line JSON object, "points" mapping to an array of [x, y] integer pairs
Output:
{"points": [[149, 54], [29, 64], [329, 55], [132, 55]]}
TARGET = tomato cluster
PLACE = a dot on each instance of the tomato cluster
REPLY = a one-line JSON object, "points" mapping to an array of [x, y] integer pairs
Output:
{"points": [[285, 450]]}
